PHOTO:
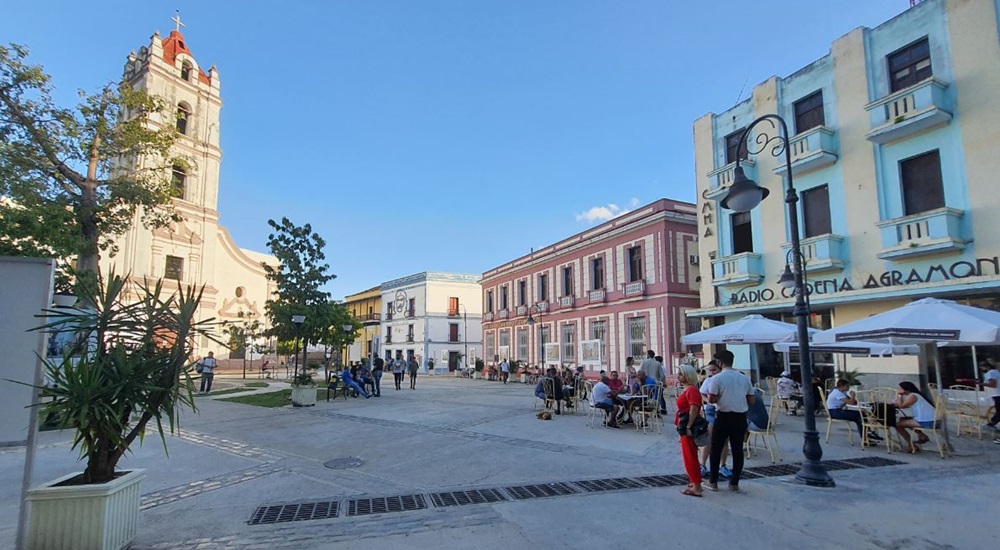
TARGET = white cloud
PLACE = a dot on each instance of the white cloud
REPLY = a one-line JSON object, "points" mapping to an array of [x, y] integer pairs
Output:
{"points": [[606, 212]]}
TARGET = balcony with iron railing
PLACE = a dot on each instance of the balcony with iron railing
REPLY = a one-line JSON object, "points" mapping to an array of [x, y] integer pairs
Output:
{"points": [[635, 288], [411, 313], [567, 301], [522, 310], [738, 269], [503, 314], [811, 150], [909, 111], [370, 318], [488, 316], [931, 232], [542, 306]]}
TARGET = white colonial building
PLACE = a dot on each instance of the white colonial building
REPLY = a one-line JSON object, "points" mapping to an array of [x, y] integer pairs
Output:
{"points": [[196, 250], [433, 316]]}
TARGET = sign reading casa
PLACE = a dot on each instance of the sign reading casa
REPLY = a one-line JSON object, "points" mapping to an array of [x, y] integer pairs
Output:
{"points": [[961, 269]]}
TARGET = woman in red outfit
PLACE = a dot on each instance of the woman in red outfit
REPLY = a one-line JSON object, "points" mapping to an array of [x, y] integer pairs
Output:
{"points": [[689, 401]]}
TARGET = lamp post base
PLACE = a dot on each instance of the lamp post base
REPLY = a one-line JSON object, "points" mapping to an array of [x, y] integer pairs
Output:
{"points": [[812, 472]]}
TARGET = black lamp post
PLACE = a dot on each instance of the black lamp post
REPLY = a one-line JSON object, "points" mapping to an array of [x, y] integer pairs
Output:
{"points": [[531, 323], [465, 333], [297, 320], [743, 196]]}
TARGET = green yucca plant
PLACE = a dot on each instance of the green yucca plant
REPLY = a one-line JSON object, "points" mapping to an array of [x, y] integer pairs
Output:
{"points": [[129, 366]]}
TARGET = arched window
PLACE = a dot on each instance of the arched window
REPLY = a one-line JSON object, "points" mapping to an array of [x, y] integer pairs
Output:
{"points": [[179, 179], [186, 70], [183, 112]]}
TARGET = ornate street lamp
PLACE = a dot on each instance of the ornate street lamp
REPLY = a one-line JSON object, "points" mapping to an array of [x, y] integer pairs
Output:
{"points": [[297, 320], [743, 196]]}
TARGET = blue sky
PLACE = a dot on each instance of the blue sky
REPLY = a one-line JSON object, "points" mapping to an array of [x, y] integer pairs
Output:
{"points": [[449, 135]]}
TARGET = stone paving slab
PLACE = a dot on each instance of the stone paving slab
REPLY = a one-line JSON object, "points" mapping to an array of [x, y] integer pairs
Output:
{"points": [[454, 434]]}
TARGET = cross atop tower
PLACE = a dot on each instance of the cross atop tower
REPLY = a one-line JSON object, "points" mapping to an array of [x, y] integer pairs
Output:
{"points": [[177, 21]]}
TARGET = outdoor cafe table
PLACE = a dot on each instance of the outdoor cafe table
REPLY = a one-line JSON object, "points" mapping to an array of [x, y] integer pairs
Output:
{"points": [[886, 412]]}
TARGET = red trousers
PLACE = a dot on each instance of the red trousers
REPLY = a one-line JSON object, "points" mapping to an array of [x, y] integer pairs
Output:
{"points": [[691, 464]]}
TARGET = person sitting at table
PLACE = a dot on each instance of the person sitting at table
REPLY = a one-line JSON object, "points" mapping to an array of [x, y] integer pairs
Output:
{"points": [[557, 388], [789, 390], [838, 401], [349, 382], [920, 414], [603, 401]]}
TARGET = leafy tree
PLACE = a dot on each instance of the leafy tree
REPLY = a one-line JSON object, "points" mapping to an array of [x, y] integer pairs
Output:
{"points": [[244, 334], [73, 179], [301, 273]]}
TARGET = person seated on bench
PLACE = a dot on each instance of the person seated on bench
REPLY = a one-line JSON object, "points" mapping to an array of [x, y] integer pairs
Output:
{"points": [[265, 369], [350, 383]]}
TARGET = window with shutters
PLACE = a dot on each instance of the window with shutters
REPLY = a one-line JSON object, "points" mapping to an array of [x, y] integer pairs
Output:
{"points": [[637, 336], [809, 112], [923, 189], [909, 65], [569, 342], [816, 211]]}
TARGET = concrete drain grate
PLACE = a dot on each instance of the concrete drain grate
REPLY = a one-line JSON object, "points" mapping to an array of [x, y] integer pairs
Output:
{"points": [[618, 484], [522, 492], [284, 513], [462, 498], [344, 463], [382, 505]]}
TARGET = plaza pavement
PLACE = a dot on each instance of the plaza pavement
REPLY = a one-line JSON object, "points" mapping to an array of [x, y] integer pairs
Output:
{"points": [[457, 434]]}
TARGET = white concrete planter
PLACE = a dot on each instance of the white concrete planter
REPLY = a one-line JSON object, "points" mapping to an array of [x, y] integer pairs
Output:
{"points": [[475, 375], [524, 378], [85, 517], [303, 396]]}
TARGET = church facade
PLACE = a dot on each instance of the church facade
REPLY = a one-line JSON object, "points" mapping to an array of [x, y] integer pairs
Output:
{"points": [[196, 250]]}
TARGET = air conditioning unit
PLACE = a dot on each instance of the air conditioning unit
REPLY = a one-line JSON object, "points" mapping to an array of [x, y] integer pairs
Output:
{"points": [[693, 259]]}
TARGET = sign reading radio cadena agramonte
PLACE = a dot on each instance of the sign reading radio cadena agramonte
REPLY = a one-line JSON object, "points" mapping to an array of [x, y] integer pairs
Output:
{"points": [[962, 269]]}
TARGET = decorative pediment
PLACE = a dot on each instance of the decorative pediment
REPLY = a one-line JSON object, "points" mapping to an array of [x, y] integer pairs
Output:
{"points": [[231, 309], [178, 232]]}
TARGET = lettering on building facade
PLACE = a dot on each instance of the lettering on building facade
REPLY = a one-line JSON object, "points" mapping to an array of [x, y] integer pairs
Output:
{"points": [[961, 269]]}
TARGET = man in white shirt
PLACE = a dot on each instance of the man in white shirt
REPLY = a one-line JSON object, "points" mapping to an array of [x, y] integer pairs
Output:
{"points": [[732, 393], [603, 401], [991, 384], [504, 370], [207, 369]]}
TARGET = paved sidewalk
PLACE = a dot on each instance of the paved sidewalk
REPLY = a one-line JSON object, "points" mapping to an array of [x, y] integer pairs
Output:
{"points": [[460, 435]]}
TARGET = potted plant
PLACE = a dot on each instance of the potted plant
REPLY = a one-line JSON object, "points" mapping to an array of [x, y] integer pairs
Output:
{"points": [[480, 365], [303, 389], [853, 377], [128, 366]]}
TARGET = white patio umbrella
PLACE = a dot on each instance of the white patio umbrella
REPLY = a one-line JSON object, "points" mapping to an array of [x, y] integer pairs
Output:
{"points": [[928, 322], [752, 329]]}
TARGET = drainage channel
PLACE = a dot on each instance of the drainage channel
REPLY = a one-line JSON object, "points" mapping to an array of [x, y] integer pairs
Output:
{"points": [[355, 507]]}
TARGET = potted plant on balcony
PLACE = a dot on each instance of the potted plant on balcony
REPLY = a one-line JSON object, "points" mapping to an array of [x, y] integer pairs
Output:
{"points": [[303, 389], [128, 365]]}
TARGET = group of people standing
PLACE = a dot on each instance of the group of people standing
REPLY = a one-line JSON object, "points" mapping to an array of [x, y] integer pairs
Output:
{"points": [[368, 383]]}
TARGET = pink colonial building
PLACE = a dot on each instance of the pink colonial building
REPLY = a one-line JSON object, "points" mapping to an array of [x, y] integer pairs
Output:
{"points": [[610, 292]]}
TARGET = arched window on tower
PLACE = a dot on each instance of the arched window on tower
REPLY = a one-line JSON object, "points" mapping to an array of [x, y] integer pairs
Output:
{"points": [[179, 179], [186, 70], [183, 113]]}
